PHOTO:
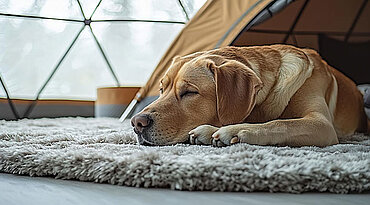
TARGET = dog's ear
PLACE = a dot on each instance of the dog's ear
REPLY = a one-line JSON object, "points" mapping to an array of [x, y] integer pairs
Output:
{"points": [[236, 89]]}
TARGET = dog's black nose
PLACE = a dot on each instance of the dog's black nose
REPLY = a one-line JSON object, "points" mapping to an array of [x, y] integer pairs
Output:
{"points": [[140, 122]]}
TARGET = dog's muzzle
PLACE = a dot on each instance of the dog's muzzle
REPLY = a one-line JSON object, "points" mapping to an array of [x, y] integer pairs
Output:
{"points": [[141, 123]]}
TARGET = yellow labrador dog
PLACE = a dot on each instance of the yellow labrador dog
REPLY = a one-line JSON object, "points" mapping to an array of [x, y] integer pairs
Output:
{"points": [[262, 95]]}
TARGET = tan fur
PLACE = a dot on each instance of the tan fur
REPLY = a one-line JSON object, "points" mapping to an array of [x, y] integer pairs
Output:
{"points": [[265, 95]]}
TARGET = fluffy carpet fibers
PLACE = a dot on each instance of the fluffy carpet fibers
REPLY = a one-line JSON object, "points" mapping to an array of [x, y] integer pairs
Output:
{"points": [[105, 151]]}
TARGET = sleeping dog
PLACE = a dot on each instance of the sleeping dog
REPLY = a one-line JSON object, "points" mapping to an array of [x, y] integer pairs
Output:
{"points": [[262, 95]]}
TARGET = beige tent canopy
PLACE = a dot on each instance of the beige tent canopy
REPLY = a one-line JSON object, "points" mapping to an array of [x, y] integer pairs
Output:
{"points": [[303, 23]]}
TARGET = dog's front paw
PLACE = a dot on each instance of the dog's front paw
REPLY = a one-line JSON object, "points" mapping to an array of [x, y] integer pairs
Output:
{"points": [[226, 136], [202, 135]]}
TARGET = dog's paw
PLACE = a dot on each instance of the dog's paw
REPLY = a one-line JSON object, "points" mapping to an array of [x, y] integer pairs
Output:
{"points": [[225, 136], [202, 135]]}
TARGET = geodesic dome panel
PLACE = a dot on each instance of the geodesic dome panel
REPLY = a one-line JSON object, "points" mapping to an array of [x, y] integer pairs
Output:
{"points": [[29, 50], [65, 49], [156, 10]]}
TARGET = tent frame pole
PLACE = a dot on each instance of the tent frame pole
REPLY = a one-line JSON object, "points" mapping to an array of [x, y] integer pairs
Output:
{"points": [[331, 33], [10, 102], [40, 17], [130, 108], [295, 22], [32, 105], [183, 8], [105, 57], [355, 20]]}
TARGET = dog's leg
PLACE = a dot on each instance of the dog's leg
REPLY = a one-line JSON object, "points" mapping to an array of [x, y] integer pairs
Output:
{"points": [[202, 135], [312, 129], [308, 123]]}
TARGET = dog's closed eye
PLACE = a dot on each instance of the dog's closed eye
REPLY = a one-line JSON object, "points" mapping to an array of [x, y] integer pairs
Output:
{"points": [[188, 93]]}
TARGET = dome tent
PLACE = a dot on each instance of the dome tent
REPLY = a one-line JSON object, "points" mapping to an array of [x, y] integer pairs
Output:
{"points": [[320, 25], [55, 53]]}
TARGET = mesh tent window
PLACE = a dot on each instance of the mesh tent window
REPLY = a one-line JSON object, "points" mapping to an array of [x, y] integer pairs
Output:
{"points": [[121, 39]]}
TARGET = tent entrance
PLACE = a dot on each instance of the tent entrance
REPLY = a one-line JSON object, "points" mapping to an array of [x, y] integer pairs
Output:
{"points": [[338, 30], [301, 22]]}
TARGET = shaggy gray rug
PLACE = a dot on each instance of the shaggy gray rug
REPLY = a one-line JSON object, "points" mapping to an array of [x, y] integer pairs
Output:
{"points": [[105, 151]]}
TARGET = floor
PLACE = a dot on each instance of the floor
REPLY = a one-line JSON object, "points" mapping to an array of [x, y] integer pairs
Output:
{"points": [[40, 190]]}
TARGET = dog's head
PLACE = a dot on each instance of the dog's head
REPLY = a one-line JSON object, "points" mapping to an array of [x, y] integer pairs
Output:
{"points": [[197, 90]]}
